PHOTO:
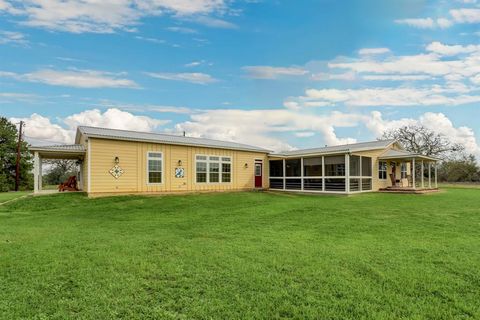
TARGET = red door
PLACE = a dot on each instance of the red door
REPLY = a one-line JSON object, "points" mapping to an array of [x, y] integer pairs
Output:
{"points": [[258, 175]]}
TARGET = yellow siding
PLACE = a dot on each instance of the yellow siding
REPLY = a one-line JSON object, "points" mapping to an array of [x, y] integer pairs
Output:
{"points": [[374, 154], [133, 160]]}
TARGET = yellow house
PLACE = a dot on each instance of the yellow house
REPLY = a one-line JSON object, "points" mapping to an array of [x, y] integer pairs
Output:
{"points": [[129, 162]]}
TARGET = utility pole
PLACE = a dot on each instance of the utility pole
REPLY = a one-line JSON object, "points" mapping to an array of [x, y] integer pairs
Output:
{"points": [[17, 169]]}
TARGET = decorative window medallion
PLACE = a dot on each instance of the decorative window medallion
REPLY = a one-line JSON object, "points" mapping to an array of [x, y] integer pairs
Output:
{"points": [[116, 171], [179, 172]]}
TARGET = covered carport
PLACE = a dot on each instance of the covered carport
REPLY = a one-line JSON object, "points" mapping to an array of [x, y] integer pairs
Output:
{"points": [[69, 152]]}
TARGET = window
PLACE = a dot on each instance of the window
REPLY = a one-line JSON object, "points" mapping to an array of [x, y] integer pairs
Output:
{"points": [[335, 166], [213, 169], [293, 168], [382, 170], [403, 170], [154, 167], [312, 167], [276, 168]]}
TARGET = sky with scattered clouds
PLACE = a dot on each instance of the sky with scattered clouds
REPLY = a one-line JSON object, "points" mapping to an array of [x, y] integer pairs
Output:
{"points": [[277, 74]]}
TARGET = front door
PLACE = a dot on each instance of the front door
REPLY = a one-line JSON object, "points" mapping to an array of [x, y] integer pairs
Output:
{"points": [[258, 175]]}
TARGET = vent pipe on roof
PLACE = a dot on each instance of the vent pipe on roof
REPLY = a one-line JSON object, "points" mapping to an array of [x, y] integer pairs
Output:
{"points": [[184, 134]]}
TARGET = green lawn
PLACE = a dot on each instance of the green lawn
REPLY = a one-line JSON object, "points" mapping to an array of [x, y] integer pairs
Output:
{"points": [[7, 196], [242, 256]]}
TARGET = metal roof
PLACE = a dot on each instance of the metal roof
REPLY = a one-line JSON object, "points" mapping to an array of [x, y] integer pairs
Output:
{"points": [[96, 132], [346, 148], [60, 147]]}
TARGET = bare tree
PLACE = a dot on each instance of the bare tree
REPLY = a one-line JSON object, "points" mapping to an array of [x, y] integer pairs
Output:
{"points": [[419, 139]]}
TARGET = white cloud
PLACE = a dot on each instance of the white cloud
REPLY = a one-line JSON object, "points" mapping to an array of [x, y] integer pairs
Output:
{"points": [[466, 15], [451, 50], [421, 23], [106, 16], [402, 96], [347, 76], [390, 77], [304, 134], [193, 77], [213, 22], [444, 23], [268, 72], [437, 122], [152, 40], [264, 126], [40, 130], [14, 38], [74, 78], [182, 30], [373, 51], [267, 128]]}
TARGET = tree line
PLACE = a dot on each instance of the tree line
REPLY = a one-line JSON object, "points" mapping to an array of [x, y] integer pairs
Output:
{"points": [[455, 166]]}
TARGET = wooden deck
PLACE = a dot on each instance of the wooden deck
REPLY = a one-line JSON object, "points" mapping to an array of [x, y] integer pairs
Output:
{"points": [[408, 190]]}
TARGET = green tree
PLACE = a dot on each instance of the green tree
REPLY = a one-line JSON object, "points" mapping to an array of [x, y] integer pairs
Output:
{"points": [[8, 157], [60, 171], [464, 169]]}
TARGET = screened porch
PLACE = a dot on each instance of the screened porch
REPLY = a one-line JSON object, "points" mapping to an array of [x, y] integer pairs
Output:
{"points": [[339, 173]]}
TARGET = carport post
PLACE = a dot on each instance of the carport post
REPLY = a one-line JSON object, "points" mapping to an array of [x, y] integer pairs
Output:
{"points": [[436, 180], [36, 169]]}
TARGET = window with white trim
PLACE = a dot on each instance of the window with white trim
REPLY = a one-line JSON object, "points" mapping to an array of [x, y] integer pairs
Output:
{"points": [[154, 167], [403, 170], [213, 169], [382, 170]]}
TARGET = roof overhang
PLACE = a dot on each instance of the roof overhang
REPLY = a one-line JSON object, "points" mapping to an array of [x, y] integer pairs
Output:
{"points": [[409, 157], [59, 152], [308, 154]]}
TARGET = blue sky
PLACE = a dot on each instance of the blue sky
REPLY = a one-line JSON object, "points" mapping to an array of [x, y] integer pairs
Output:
{"points": [[278, 74]]}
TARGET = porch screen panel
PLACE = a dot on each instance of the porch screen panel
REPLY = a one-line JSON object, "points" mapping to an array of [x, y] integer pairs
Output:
{"points": [[366, 167], [312, 167], [335, 184], [355, 166], [276, 168], [355, 184], [293, 184], [335, 166], [312, 184], [276, 183], [366, 184], [293, 168]]}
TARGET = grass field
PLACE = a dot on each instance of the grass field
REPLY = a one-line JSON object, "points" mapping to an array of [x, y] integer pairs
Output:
{"points": [[242, 256], [7, 196]]}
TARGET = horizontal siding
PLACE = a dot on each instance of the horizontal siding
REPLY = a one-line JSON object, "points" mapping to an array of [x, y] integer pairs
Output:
{"points": [[133, 160]]}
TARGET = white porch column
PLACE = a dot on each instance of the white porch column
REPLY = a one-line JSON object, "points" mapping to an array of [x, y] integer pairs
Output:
{"points": [[413, 174], [301, 173], [323, 173], [429, 175], [423, 174], [347, 173], [40, 170], [284, 171], [36, 169], [436, 179]]}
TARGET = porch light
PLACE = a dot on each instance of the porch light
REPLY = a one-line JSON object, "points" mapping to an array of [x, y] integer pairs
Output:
{"points": [[117, 160], [179, 163], [245, 165]]}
